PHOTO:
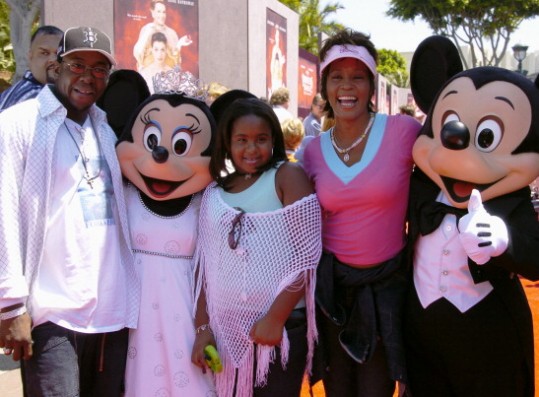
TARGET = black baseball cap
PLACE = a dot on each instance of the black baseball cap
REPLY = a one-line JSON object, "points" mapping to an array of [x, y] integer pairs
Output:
{"points": [[84, 38]]}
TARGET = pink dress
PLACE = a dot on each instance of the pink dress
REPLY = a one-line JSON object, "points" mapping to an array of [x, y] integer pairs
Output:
{"points": [[159, 354]]}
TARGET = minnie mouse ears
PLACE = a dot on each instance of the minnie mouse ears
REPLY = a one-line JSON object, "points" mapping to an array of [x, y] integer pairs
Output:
{"points": [[125, 90], [435, 61]]}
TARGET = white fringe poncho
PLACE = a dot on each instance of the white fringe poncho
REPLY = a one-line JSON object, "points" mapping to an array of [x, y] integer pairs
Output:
{"points": [[275, 250]]}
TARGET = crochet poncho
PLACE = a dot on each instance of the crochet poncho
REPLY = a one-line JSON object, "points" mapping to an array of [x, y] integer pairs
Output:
{"points": [[275, 250]]}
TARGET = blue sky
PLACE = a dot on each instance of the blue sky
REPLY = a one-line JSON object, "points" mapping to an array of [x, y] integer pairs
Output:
{"points": [[369, 17]]}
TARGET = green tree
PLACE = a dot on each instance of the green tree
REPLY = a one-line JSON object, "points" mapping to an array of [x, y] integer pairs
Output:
{"points": [[314, 20], [392, 65], [23, 14], [7, 59], [485, 26]]}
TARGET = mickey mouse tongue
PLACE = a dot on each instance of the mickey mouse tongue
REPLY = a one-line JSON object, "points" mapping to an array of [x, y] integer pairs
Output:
{"points": [[463, 189], [460, 191]]}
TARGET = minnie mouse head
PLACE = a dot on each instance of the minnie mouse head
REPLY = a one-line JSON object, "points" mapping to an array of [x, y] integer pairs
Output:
{"points": [[165, 148]]}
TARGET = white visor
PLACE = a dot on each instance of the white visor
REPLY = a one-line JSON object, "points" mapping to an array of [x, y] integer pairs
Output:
{"points": [[349, 51]]}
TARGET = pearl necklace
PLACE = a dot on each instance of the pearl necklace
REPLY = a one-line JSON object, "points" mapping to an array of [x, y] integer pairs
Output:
{"points": [[347, 150]]}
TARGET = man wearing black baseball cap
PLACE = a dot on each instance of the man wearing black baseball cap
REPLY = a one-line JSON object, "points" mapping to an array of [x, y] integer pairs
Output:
{"points": [[68, 288]]}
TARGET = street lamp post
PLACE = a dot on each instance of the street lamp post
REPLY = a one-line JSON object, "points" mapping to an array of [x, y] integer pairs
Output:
{"points": [[519, 52]]}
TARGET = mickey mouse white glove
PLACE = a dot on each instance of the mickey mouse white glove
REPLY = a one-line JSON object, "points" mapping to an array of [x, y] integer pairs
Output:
{"points": [[482, 235]]}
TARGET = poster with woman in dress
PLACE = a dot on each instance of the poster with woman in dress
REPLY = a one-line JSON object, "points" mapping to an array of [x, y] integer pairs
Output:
{"points": [[153, 36], [276, 51]]}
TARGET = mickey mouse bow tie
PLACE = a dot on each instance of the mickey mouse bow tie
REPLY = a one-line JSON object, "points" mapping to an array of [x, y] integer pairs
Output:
{"points": [[432, 213]]}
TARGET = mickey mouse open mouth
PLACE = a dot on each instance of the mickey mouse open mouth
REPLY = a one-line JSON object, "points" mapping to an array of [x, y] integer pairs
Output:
{"points": [[160, 187], [460, 191]]}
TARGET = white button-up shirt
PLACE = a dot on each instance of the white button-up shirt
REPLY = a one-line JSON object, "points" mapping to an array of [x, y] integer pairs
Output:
{"points": [[28, 133]]}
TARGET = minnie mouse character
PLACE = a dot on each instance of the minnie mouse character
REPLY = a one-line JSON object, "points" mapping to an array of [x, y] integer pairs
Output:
{"points": [[473, 229], [164, 154]]}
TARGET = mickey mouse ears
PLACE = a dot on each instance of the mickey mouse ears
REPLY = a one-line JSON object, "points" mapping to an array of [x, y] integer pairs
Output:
{"points": [[435, 61]]}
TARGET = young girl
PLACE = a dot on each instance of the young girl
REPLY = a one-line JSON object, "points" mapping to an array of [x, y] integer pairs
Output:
{"points": [[259, 246]]}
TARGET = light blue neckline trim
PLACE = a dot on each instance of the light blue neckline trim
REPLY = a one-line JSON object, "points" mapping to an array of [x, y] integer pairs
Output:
{"points": [[338, 167]]}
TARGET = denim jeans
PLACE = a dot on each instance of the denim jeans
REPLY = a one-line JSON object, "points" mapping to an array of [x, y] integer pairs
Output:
{"points": [[72, 364]]}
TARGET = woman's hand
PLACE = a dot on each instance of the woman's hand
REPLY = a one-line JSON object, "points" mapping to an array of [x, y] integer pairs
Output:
{"points": [[184, 41]]}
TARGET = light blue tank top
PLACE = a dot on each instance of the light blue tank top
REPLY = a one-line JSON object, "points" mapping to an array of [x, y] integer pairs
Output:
{"points": [[261, 196]]}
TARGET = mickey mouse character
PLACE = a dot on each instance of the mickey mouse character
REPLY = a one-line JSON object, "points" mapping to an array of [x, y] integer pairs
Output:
{"points": [[473, 230], [164, 154]]}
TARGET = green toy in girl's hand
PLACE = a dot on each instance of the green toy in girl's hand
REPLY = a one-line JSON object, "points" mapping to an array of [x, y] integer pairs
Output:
{"points": [[212, 358]]}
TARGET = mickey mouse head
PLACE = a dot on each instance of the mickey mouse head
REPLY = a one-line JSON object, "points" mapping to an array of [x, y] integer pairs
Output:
{"points": [[482, 125]]}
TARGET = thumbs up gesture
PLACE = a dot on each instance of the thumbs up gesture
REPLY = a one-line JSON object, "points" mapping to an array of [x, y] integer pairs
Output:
{"points": [[482, 235]]}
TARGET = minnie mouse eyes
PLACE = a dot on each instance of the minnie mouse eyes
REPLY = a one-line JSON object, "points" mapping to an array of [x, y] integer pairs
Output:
{"points": [[152, 137], [181, 143]]}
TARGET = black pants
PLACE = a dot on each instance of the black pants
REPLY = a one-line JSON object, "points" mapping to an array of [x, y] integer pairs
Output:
{"points": [[471, 354], [344, 377], [68, 363], [287, 383]]}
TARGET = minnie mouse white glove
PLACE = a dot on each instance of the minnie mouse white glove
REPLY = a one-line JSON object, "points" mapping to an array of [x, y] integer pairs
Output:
{"points": [[482, 235]]}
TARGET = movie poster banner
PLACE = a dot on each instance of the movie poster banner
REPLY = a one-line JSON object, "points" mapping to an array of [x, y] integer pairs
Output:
{"points": [[394, 100], [382, 97], [276, 54], [307, 81], [153, 36]]}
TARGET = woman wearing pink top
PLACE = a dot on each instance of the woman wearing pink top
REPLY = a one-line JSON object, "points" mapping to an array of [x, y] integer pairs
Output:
{"points": [[360, 169]]}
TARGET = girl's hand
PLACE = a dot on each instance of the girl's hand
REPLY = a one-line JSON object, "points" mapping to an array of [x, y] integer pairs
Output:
{"points": [[202, 340], [267, 331]]}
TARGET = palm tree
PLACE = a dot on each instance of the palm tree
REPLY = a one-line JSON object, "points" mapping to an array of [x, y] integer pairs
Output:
{"points": [[313, 21]]}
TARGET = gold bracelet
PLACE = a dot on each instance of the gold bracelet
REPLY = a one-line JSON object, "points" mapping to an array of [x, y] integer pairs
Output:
{"points": [[202, 328]]}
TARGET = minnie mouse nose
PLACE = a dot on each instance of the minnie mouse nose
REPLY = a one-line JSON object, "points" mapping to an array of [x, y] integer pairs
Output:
{"points": [[455, 135], [160, 154]]}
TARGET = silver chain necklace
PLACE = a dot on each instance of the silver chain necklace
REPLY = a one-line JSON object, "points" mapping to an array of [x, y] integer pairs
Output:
{"points": [[347, 150], [85, 160]]}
